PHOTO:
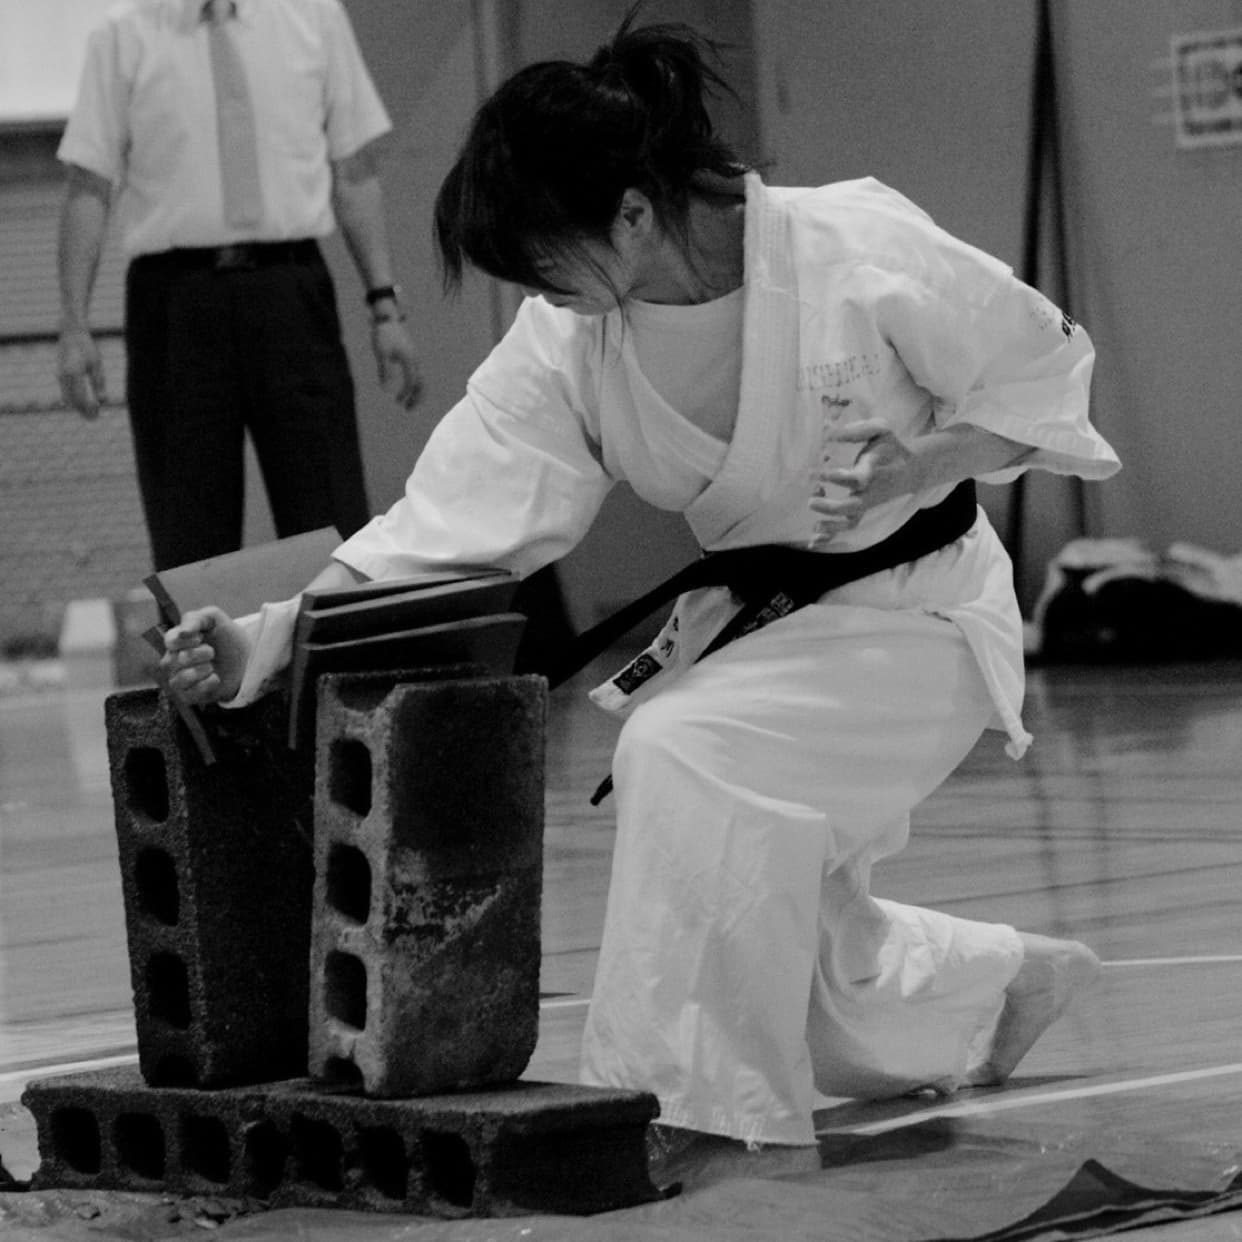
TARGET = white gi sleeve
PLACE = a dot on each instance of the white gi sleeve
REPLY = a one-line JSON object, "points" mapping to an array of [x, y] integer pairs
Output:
{"points": [[510, 476], [996, 354]]}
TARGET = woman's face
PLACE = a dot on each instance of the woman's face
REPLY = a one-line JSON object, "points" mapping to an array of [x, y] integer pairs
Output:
{"points": [[594, 277], [597, 275]]}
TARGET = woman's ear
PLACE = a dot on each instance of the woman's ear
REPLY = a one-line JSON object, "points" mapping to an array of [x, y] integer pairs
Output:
{"points": [[635, 216]]}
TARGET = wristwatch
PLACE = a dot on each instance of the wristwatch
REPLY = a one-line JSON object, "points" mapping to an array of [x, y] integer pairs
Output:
{"points": [[386, 293]]}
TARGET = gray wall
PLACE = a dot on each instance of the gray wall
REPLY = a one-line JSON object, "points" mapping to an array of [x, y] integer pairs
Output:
{"points": [[933, 97], [1160, 263]]}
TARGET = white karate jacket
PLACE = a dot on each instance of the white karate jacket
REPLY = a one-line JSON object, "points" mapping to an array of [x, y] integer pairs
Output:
{"points": [[852, 293]]}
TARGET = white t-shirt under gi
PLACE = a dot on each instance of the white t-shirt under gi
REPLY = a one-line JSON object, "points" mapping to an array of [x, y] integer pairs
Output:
{"points": [[744, 965]]}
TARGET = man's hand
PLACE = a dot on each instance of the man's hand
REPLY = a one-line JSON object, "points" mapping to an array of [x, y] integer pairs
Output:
{"points": [[358, 202], [80, 371], [205, 656], [394, 355]]}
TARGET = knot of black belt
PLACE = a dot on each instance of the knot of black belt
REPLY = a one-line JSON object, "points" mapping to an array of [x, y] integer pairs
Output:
{"points": [[773, 580]]}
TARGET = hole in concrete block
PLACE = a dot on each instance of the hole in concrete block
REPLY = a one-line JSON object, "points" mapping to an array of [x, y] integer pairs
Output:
{"points": [[139, 1141], [205, 1148], [449, 1166], [384, 1162], [155, 875], [317, 1153], [345, 989], [349, 882], [364, 694], [146, 783], [75, 1138], [350, 775], [172, 1071], [265, 1153], [168, 990], [339, 1072]]}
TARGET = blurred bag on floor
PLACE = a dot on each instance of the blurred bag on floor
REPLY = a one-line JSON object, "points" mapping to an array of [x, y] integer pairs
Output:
{"points": [[1114, 601]]}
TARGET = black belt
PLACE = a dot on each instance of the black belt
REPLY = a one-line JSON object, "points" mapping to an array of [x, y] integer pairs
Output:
{"points": [[240, 257], [773, 580]]}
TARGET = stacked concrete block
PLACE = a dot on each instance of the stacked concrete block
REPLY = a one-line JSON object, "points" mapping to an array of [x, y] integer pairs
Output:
{"points": [[377, 899], [534, 1147], [428, 875], [217, 873]]}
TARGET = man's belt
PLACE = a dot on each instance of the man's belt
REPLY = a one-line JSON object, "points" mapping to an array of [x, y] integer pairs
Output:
{"points": [[239, 257], [773, 580]]}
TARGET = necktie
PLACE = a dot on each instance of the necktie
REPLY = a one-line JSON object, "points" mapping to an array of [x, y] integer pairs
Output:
{"points": [[239, 152]]}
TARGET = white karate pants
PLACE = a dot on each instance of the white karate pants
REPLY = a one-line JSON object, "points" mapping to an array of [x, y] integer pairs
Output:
{"points": [[744, 962]]}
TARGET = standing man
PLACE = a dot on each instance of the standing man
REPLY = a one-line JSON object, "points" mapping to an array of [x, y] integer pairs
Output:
{"points": [[230, 135]]}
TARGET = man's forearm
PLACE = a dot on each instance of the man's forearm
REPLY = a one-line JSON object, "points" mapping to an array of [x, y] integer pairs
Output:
{"points": [[359, 204], [83, 224]]}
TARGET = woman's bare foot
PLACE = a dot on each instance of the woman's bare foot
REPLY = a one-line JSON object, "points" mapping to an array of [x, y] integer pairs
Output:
{"points": [[1052, 973]]}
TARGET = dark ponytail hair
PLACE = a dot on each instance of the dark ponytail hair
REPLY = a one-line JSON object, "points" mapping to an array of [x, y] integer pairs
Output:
{"points": [[550, 154]]}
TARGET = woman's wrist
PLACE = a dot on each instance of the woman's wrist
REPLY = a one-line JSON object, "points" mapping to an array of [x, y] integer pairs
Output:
{"points": [[948, 455], [268, 638]]}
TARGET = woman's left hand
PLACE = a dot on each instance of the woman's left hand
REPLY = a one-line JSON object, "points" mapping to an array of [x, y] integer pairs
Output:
{"points": [[885, 468]]}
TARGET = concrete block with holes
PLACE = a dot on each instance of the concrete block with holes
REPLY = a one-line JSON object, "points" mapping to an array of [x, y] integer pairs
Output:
{"points": [[217, 872], [425, 942], [533, 1147]]}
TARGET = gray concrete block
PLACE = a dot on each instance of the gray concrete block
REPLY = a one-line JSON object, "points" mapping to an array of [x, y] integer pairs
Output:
{"points": [[217, 873], [429, 866], [532, 1147]]}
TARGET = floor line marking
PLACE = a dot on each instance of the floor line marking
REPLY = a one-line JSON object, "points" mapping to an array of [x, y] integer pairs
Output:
{"points": [[1204, 960], [56, 1068], [81, 1067], [979, 1108], [950, 1110]]}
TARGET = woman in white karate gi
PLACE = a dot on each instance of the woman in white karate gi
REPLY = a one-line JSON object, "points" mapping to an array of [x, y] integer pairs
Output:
{"points": [[728, 348]]}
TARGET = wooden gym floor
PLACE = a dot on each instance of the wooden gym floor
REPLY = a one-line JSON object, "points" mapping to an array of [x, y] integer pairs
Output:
{"points": [[1122, 827]]}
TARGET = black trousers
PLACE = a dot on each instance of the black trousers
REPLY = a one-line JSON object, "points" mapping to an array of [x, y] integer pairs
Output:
{"points": [[215, 352]]}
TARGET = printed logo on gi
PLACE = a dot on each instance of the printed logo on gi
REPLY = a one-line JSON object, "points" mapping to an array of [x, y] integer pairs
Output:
{"points": [[637, 672], [838, 373], [667, 641], [1047, 315]]}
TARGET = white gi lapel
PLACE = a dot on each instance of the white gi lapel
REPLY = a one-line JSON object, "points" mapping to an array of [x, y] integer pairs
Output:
{"points": [[769, 371], [752, 468]]}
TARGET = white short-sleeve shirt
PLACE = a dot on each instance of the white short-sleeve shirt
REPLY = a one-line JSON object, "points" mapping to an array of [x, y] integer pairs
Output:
{"points": [[145, 117]]}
